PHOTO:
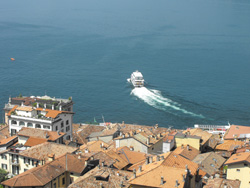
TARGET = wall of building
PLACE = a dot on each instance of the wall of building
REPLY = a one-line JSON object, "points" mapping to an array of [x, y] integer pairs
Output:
{"points": [[167, 146], [106, 138], [22, 139], [25, 165], [156, 148], [26, 113], [5, 161], [240, 172], [194, 142], [132, 142]]}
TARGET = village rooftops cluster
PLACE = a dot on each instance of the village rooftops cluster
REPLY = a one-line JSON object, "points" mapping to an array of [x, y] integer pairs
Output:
{"points": [[44, 148]]}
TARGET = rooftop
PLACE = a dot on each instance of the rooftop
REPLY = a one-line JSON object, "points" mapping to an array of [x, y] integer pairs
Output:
{"points": [[42, 151], [41, 175], [110, 178], [235, 131], [238, 158]]}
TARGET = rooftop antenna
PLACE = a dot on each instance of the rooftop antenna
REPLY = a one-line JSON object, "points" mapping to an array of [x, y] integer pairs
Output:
{"points": [[45, 93], [103, 119], [228, 123]]}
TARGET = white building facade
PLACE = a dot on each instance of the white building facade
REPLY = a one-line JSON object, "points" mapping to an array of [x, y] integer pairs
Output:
{"points": [[45, 119]]}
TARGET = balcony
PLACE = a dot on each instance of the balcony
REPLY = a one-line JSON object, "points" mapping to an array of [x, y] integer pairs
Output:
{"points": [[15, 162]]}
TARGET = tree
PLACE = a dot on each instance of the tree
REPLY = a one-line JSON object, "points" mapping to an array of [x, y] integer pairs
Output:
{"points": [[3, 174]]}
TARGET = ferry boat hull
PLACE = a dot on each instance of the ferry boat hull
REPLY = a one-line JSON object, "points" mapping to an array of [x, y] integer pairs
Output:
{"points": [[136, 79]]}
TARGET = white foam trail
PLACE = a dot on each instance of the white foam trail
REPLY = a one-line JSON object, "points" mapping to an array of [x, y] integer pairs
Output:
{"points": [[155, 99]]}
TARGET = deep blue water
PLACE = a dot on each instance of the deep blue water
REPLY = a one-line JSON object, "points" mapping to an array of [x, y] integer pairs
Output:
{"points": [[194, 55]]}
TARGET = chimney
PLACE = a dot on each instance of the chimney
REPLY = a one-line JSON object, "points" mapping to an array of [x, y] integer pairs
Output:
{"points": [[102, 163], [51, 157], [44, 105], [156, 126], [147, 141], [47, 136], [123, 135], [182, 146], [151, 159], [157, 158], [188, 147], [85, 163], [53, 107], [98, 166], [183, 178], [140, 169], [125, 177], [121, 184], [22, 104], [118, 174], [186, 168], [58, 132], [162, 157], [37, 104], [147, 160], [162, 180], [100, 145], [134, 172], [86, 150], [176, 184], [120, 133], [217, 175], [101, 185], [60, 107], [123, 123], [9, 99]]}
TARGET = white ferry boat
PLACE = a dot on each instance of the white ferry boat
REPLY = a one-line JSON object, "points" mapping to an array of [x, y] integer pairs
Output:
{"points": [[137, 79]]}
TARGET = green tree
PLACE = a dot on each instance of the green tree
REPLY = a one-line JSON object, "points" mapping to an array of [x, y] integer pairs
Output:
{"points": [[3, 174]]}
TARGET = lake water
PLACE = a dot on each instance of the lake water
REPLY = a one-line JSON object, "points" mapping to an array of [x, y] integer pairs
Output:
{"points": [[194, 55]]}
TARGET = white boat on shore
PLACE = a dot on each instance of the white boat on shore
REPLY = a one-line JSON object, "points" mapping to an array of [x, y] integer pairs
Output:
{"points": [[136, 79]]}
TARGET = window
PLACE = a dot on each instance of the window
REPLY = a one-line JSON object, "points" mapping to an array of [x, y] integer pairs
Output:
{"points": [[63, 181], [38, 126], [67, 128], [29, 161], [25, 169], [4, 166], [56, 128], [62, 124], [54, 185], [214, 159], [29, 125], [62, 130], [21, 123], [212, 165], [3, 156], [13, 122], [46, 127], [33, 162], [238, 170], [245, 164], [67, 122]]}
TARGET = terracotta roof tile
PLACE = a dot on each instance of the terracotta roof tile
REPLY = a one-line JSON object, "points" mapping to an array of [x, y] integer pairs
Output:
{"points": [[41, 175], [39, 133], [53, 113], [229, 145], [32, 141], [12, 110], [6, 140], [236, 131], [152, 178], [221, 183], [110, 178], [41, 151], [190, 153], [239, 157]]}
